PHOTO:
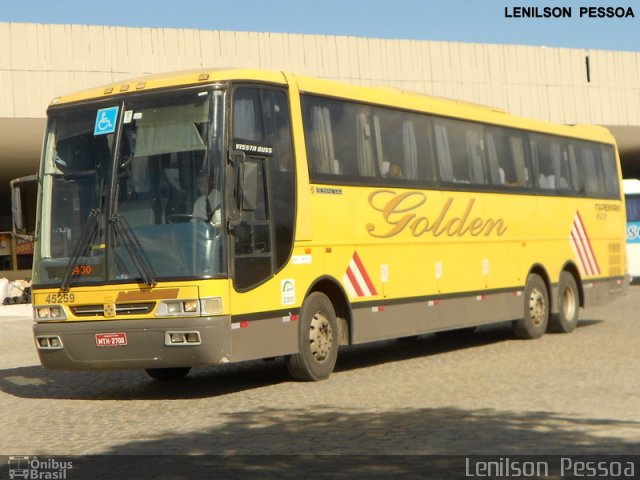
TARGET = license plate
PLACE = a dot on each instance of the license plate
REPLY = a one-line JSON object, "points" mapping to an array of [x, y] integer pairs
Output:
{"points": [[111, 339]]}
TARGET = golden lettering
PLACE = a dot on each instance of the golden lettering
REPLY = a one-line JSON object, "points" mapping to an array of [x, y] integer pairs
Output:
{"points": [[393, 210], [401, 212], [460, 221], [497, 224], [420, 226], [443, 213], [476, 227]]}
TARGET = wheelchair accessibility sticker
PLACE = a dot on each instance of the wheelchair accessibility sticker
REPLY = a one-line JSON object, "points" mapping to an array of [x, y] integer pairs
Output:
{"points": [[106, 120]]}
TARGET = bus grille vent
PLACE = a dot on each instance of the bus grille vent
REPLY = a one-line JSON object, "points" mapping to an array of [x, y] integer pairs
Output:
{"points": [[121, 309], [616, 261]]}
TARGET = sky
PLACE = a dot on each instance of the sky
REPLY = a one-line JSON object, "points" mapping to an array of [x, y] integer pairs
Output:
{"points": [[476, 21]]}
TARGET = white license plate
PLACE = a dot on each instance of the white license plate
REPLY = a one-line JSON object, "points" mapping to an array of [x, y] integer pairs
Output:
{"points": [[111, 339]]}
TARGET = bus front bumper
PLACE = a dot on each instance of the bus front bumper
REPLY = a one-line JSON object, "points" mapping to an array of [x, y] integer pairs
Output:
{"points": [[126, 344]]}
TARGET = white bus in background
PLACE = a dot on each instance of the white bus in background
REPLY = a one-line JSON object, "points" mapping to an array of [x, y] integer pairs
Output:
{"points": [[632, 199]]}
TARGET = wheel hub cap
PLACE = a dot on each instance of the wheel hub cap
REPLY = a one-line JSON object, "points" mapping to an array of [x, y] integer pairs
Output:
{"points": [[537, 307], [320, 337]]}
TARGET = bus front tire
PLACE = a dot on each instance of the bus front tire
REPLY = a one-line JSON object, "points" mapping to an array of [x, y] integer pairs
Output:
{"points": [[168, 374], [566, 320], [317, 340], [536, 310]]}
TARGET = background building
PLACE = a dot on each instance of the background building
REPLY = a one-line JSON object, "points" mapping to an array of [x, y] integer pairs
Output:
{"points": [[39, 62]]}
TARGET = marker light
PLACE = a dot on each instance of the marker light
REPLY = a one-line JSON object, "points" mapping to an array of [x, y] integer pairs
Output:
{"points": [[211, 306]]}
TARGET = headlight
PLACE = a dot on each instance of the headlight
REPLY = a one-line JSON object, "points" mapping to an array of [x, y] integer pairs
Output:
{"points": [[49, 313], [190, 306], [184, 308], [174, 308]]}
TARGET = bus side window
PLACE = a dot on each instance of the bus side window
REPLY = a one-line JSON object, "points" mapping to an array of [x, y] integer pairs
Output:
{"points": [[506, 158], [585, 175], [364, 145], [552, 162], [461, 151], [608, 159], [319, 136], [517, 149], [395, 149], [425, 148], [443, 153], [403, 144]]}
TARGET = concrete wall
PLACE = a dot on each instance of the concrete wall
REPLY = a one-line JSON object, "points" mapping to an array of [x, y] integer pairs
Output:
{"points": [[38, 62]]}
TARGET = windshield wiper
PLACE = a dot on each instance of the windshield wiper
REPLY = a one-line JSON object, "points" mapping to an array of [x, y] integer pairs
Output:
{"points": [[122, 228], [81, 245]]}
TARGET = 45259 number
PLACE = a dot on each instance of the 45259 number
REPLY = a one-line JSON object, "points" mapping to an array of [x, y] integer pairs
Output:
{"points": [[61, 298]]}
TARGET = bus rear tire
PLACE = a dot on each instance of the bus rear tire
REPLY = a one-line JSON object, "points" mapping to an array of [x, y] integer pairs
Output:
{"points": [[536, 310], [168, 374], [317, 340], [566, 320]]}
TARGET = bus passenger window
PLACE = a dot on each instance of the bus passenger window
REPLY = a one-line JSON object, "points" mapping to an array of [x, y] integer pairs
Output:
{"points": [[585, 172], [608, 159], [461, 151], [319, 135], [551, 160], [364, 146], [443, 153], [403, 145], [506, 158]]}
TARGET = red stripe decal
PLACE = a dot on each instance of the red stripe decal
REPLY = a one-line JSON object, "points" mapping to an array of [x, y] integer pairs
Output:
{"points": [[581, 244], [354, 283], [586, 236], [365, 275], [581, 254]]}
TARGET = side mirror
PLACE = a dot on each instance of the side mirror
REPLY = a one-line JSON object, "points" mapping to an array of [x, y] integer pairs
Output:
{"points": [[16, 209], [16, 205]]}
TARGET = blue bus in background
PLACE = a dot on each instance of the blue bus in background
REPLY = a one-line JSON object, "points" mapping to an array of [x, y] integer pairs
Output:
{"points": [[632, 199]]}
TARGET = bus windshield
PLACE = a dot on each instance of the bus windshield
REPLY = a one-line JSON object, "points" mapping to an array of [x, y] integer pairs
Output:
{"points": [[132, 191]]}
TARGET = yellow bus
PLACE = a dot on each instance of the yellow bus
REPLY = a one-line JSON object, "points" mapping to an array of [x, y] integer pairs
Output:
{"points": [[209, 217]]}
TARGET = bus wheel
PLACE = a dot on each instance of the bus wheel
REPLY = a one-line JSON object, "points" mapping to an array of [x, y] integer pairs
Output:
{"points": [[536, 310], [168, 374], [317, 340], [566, 320]]}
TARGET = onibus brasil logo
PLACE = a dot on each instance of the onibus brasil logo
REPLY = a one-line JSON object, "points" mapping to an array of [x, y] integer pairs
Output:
{"points": [[36, 469]]}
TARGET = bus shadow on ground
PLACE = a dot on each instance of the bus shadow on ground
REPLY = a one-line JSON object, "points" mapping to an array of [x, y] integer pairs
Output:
{"points": [[36, 382], [367, 355], [324, 442]]}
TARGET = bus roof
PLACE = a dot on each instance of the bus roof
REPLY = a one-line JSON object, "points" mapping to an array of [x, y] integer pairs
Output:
{"points": [[376, 95], [170, 79]]}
